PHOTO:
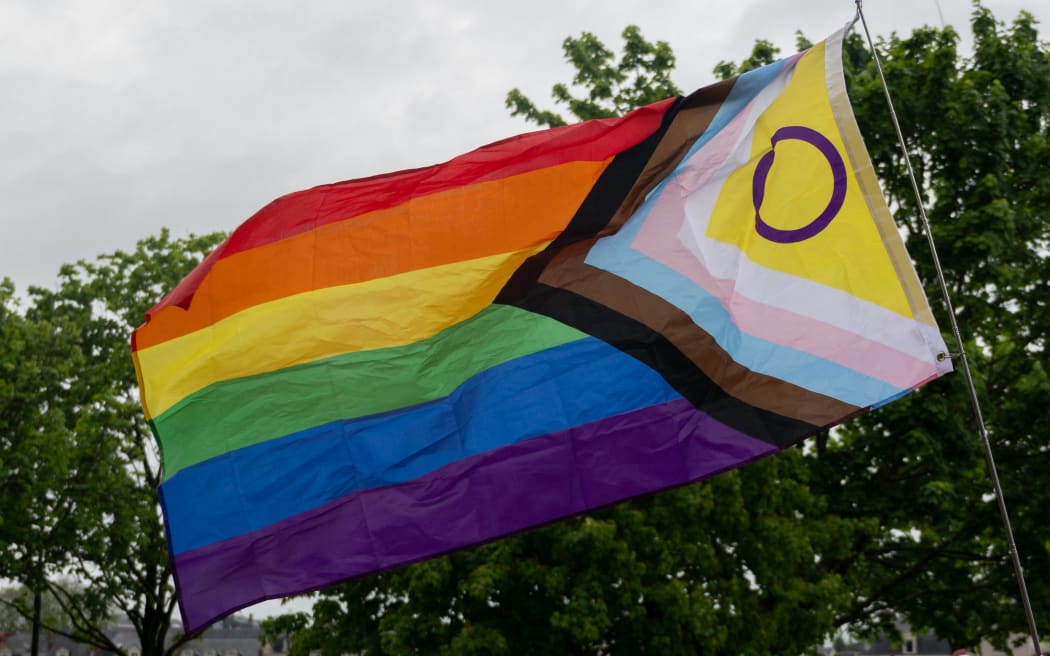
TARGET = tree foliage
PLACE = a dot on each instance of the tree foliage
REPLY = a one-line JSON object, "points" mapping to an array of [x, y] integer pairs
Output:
{"points": [[613, 88], [16, 604], [85, 466], [51, 474], [36, 357]]}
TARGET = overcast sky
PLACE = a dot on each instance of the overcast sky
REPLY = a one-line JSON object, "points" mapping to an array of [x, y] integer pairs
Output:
{"points": [[120, 117]]}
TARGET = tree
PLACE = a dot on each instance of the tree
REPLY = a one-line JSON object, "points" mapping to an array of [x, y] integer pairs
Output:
{"points": [[16, 604], [642, 76], [48, 471], [114, 547], [890, 514]]}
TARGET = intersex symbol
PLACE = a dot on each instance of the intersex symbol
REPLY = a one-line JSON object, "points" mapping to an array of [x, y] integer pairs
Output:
{"points": [[838, 193]]}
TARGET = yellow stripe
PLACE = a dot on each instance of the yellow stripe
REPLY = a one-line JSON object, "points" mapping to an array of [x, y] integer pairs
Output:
{"points": [[376, 314]]}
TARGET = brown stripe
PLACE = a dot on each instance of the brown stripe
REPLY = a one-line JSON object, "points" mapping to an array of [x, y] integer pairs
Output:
{"points": [[693, 116], [569, 271]]}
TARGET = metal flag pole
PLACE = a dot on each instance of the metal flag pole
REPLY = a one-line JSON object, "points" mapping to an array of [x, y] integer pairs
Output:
{"points": [[989, 459]]}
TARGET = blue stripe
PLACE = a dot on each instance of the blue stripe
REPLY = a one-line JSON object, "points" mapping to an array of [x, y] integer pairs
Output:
{"points": [[548, 391]]}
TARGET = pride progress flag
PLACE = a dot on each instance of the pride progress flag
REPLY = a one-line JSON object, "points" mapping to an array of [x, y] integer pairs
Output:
{"points": [[374, 372]]}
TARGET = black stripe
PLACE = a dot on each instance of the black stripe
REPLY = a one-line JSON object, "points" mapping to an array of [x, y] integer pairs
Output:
{"points": [[612, 187], [596, 210], [653, 350]]}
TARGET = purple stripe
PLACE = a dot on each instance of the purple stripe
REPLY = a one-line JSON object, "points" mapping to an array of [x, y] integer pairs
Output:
{"points": [[463, 504]]}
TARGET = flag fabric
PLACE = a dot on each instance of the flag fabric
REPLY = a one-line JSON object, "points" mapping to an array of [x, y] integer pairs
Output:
{"points": [[370, 373]]}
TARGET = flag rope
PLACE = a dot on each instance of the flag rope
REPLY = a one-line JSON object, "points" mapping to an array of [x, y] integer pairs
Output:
{"points": [[989, 459]]}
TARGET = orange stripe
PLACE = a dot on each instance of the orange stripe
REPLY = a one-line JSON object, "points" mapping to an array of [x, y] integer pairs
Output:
{"points": [[459, 224]]}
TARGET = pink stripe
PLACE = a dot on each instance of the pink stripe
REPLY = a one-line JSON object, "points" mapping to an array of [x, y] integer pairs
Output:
{"points": [[658, 239]]}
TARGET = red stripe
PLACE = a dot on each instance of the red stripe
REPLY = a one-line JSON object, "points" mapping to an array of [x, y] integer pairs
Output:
{"points": [[300, 211]]}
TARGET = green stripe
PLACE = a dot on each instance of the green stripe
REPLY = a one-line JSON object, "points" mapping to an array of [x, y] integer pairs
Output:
{"points": [[241, 412]]}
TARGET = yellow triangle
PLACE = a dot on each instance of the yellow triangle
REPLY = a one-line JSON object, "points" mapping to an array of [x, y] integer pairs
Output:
{"points": [[848, 253]]}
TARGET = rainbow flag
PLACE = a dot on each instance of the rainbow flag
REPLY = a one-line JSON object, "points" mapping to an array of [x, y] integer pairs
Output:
{"points": [[370, 373]]}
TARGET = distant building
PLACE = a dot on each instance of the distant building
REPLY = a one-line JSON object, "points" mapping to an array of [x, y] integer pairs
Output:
{"points": [[18, 644], [927, 644], [233, 636], [909, 644]]}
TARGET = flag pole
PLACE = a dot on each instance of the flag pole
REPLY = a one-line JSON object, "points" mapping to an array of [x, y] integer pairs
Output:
{"points": [[965, 366]]}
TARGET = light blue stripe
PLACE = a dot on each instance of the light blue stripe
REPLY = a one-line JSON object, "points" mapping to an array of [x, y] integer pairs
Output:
{"points": [[548, 391]]}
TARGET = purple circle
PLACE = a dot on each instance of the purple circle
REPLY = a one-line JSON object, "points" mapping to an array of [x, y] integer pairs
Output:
{"points": [[838, 194]]}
